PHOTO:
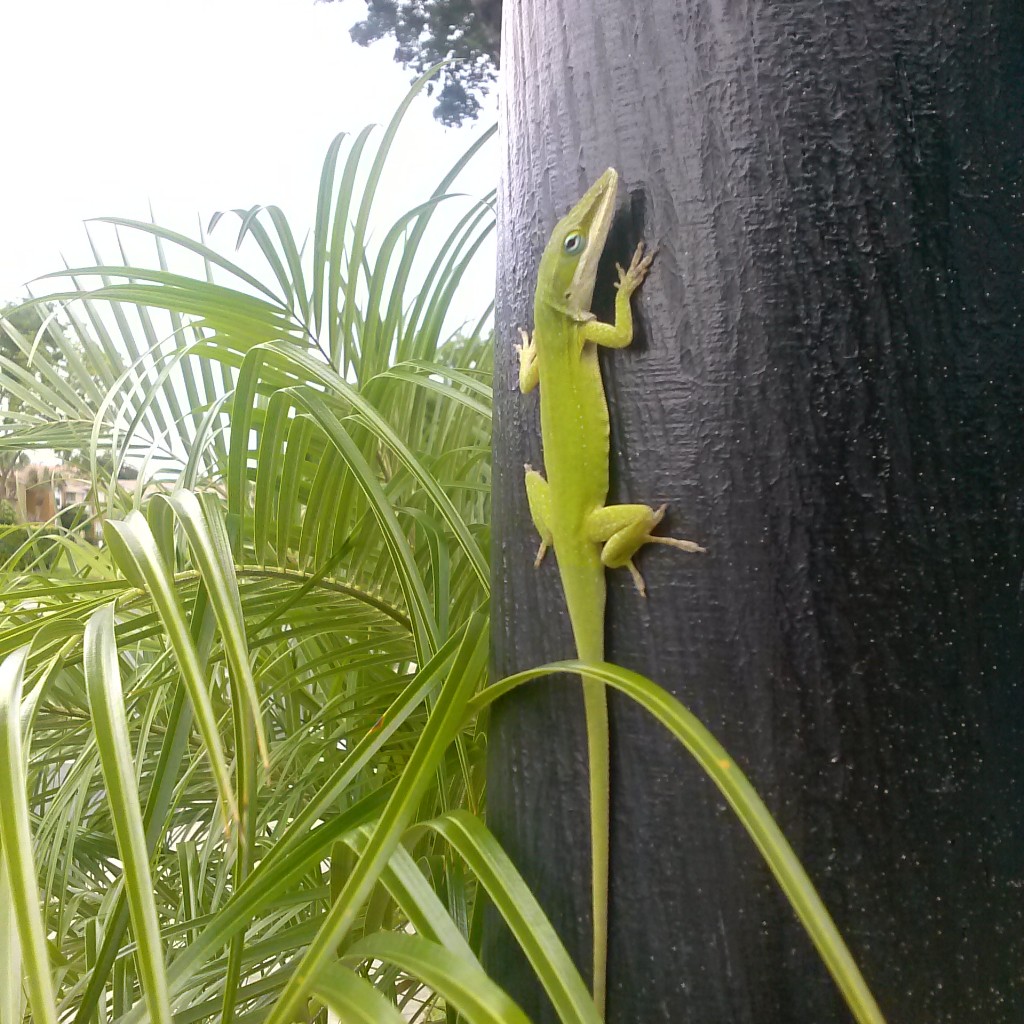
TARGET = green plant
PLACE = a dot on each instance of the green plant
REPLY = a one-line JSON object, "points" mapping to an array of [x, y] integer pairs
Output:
{"points": [[241, 743]]}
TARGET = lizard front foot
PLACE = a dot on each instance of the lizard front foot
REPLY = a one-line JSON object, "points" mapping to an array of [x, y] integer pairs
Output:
{"points": [[639, 265], [528, 369]]}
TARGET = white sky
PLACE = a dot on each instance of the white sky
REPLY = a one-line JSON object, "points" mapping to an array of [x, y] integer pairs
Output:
{"points": [[195, 106]]}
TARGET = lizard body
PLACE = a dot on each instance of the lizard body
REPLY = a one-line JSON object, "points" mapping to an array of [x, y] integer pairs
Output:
{"points": [[568, 508]]}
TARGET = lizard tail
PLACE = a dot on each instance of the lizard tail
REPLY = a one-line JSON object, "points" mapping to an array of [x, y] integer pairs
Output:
{"points": [[584, 585], [595, 704]]}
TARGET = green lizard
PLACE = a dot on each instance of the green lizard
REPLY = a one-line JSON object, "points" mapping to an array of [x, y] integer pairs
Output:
{"points": [[568, 508]]}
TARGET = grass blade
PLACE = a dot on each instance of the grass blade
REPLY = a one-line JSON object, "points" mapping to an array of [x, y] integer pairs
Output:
{"points": [[354, 999], [463, 983], [745, 802], [516, 903], [136, 552], [16, 843], [106, 703]]}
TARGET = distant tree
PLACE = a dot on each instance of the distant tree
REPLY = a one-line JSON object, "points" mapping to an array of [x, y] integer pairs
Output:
{"points": [[28, 326], [81, 461], [32, 338], [430, 31], [10, 463]]}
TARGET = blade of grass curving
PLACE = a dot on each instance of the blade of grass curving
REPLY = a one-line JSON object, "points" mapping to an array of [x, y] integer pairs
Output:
{"points": [[294, 260], [321, 230], [354, 999], [154, 350], [261, 888], [82, 356], [183, 241], [411, 247], [462, 983], [114, 357], [300, 432], [376, 347], [137, 555], [149, 397], [440, 300], [195, 403], [414, 894], [324, 501], [519, 907], [106, 704], [211, 552], [409, 346], [403, 559], [336, 345], [16, 845], [11, 997], [358, 247], [161, 524], [335, 385], [746, 804], [268, 472], [129, 341], [476, 397], [438, 733], [411, 697], [172, 750], [205, 437]]}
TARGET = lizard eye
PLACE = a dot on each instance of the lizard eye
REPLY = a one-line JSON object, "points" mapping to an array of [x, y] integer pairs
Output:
{"points": [[574, 242]]}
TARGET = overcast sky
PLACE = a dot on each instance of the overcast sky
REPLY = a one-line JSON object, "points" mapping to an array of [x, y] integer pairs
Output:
{"points": [[195, 106]]}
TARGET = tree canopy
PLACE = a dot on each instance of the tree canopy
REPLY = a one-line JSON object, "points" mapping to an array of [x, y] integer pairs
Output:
{"points": [[467, 32]]}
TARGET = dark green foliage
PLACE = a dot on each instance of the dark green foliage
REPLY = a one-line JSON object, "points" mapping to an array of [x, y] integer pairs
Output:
{"points": [[430, 31], [41, 555], [28, 324], [10, 463]]}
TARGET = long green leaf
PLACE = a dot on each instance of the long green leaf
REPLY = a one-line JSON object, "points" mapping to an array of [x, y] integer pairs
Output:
{"points": [[16, 845], [354, 999], [11, 993], [523, 914], [462, 983], [138, 555], [747, 805], [106, 702]]}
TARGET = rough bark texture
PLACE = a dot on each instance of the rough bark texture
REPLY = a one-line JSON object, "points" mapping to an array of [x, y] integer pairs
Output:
{"points": [[828, 387]]}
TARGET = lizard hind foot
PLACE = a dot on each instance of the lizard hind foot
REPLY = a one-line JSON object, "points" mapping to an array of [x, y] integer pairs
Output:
{"points": [[682, 545]]}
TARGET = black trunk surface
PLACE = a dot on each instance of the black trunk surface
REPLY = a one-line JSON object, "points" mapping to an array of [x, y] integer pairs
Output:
{"points": [[827, 386]]}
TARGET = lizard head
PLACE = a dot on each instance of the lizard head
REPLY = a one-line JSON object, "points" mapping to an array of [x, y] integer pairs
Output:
{"points": [[568, 268]]}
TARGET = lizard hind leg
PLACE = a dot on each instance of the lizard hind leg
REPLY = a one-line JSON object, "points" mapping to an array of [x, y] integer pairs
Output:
{"points": [[538, 494], [623, 530]]}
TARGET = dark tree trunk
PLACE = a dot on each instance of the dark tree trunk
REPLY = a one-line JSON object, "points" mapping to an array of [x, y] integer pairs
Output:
{"points": [[827, 385]]}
